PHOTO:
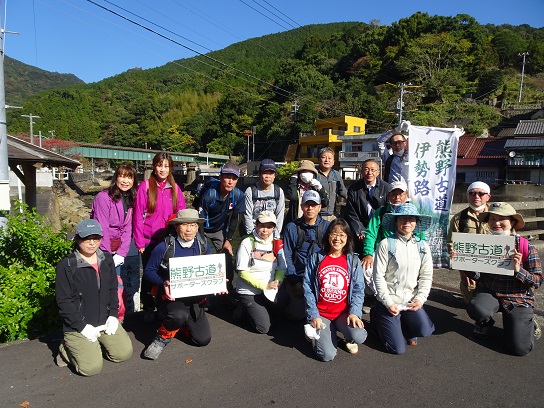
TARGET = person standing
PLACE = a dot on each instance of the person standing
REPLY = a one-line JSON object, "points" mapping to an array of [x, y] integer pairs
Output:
{"points": [[331, 181], [468, 221], [302, 238], [264, 196], [113, 209], [365, 196], [157, 198], [513, 295], [303, 179], [403, 274], [185, 312], [334, 292], [86, 294], [395, 163]]}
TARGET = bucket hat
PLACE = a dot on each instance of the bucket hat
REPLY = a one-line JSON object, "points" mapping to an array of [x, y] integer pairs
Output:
{"points": [[423, 221], [505, 210], [306, 165], [186, 215]]}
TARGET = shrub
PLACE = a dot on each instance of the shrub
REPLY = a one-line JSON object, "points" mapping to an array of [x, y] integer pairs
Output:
{"points": [[29, 251], [285, 171]]}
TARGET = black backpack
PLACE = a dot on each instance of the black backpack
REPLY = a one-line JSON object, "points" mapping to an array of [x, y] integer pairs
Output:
{"points": [[170, 242], [301, 232], [255, 194]]}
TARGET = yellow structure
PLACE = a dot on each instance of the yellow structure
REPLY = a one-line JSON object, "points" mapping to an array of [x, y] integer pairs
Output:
{"points": [[326, 134]]}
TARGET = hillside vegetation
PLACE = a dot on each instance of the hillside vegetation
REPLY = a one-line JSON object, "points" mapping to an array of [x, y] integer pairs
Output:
{"points": [[460, 73]]}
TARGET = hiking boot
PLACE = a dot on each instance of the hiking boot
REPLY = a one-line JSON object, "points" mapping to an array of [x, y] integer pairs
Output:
{"points": [[351, 348], [154, 350], [149, 316], [538, 330], [412, 341]]}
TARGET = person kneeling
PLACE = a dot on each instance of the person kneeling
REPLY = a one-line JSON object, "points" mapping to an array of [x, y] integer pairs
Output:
{"points": [[187, 313], [403, 273], [260, 274], [86, 293], [334, 292]]}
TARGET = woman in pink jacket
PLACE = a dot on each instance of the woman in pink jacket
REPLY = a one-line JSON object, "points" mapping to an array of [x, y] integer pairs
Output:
{"points": [[157, 198], [113, 208]]}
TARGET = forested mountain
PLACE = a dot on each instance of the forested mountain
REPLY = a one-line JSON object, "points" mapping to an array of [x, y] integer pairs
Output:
{"points": [[22, 80], [460, 73]]}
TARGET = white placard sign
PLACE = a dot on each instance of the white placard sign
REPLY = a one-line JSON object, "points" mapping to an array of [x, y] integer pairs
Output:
{"points": [[197, 275], [483, 253]]}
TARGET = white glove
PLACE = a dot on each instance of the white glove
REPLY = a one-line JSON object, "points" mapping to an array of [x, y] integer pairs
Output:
{"points": [[404, 125], [111, 325], [118, 260], [381, 146], [311, 332], [91, 333], [316, 184]]}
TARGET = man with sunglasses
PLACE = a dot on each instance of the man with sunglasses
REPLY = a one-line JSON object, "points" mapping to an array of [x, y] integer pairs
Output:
{"points": [[467, 221], [395, 163]]}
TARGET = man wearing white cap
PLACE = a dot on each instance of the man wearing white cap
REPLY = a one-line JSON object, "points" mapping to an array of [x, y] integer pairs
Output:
{"points": [[467, 221]]}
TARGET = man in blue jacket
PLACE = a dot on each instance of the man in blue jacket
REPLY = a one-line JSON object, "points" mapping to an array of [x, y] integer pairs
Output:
{"points": [[301, 239]]}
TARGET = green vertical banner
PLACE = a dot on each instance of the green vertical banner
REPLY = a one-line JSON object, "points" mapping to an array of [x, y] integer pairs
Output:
{"points": [[432, 157]]}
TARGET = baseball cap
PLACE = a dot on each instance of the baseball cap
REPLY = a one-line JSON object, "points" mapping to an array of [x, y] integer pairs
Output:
{"points": [[230, 168], [267, 216], [398, 185], [267, 165], [88, 227], [311, 195]]}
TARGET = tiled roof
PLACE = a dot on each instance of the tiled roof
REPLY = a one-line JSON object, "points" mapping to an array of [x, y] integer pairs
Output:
{"points": [[526, 143], [530, 128], [472, 147], [506, 132], [20, 152]]}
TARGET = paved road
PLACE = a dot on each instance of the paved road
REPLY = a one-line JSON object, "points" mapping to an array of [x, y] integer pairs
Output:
{"points": [[240, 368]]}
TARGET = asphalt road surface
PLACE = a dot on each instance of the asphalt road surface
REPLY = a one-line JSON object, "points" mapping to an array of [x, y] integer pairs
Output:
{"points": [[243, 369]]}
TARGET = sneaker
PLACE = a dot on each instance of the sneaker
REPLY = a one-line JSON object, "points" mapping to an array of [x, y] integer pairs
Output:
{"points": [[352, 348], [412, 341], [480, 332], [149, 316], [154, 350], [538, 330], [59, 361]]}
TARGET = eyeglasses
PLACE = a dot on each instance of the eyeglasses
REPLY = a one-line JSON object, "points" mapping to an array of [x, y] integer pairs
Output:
{"points": [[476, 193], [367, 170], [340, 235]]}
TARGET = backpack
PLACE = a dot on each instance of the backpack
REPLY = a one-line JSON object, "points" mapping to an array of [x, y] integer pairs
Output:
{"points": [[255, 194], [301, 232], [213, 184], [392, 247], [170, 242], [463, 220]]}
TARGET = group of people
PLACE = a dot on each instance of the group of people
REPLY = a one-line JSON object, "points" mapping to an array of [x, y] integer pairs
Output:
{"points": [[311, 263]]}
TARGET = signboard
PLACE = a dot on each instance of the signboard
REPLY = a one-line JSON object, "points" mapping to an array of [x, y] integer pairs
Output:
{"points": [[483, 253], [197, 275]]}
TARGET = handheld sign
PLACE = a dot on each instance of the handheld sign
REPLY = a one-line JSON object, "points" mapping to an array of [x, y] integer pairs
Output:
{"points": [[483, 253], [197, 275]]}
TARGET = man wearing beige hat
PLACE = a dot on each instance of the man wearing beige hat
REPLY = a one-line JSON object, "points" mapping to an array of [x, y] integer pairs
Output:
{"points": [[303, 179], [467, 221]]}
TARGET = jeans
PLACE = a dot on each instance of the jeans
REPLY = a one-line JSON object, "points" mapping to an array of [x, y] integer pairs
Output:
{"points": [[518, 323], [130, 275], [325, 347], [394, 330]]}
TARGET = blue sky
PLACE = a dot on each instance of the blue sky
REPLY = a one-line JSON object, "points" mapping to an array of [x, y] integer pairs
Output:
{"points": [[76, 36]]}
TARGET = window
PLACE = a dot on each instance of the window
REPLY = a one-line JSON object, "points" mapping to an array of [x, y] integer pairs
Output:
{"points": [[357, 129]]}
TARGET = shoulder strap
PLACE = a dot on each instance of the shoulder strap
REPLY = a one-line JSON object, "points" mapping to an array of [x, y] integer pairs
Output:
{"points": [[387, 168], [254, 192], [72, 263], [524, 248], [463, 220], [420, 248], [383, 210], [170, 242], [319, 234], [391, 246], [202, 243]]}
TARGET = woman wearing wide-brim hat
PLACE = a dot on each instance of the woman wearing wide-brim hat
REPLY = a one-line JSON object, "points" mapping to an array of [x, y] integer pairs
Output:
{"points": [[513, 295], [403, 274], [304, 178]]}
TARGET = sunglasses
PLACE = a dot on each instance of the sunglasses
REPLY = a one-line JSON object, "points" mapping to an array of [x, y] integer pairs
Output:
{"points": [[476, 193]]}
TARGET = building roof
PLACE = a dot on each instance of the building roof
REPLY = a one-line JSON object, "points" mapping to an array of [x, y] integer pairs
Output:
{"points": [[506, 132], [22, 152], [532, 143], [473, 151], [530, 128]]}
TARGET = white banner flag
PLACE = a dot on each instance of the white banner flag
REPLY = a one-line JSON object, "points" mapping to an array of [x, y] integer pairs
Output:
{"points": [[432, 157]]}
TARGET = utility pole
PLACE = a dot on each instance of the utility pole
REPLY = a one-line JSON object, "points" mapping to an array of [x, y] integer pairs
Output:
{"points": [[400, 103], [522, 54], [5, 204], [31, 116]]}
